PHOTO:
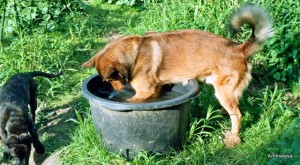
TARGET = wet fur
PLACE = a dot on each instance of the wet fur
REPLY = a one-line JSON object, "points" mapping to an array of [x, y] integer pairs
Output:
{"points": [[17, 126], [149, 61]]}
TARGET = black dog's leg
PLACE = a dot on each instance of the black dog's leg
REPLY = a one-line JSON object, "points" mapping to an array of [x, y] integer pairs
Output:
{"points": [[33, 99], [28, 153], [35, 140]]}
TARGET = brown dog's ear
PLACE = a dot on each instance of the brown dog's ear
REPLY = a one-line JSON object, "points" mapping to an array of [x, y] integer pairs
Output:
{"points": [[116, 68], [89, 63], [92, 61], [108, 71]]}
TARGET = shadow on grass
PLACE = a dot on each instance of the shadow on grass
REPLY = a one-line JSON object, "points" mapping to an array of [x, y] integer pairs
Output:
{"points": [[56, 126]]}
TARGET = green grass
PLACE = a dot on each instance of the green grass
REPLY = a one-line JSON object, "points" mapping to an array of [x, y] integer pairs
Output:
{"points": [[270, 109]]}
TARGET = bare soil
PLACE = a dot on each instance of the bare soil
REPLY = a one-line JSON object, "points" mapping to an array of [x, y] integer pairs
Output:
{"points": [[55, 126]]}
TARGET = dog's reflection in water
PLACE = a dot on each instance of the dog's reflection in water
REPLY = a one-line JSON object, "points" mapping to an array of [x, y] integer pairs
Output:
{"points": [[122, 95]]}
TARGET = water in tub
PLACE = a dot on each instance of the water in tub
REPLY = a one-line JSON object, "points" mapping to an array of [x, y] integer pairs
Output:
{"points": [[166, 94]]}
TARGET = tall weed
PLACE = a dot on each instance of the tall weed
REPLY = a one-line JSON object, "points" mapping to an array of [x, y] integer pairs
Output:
{"points": [[273, 108], [184, 14]]}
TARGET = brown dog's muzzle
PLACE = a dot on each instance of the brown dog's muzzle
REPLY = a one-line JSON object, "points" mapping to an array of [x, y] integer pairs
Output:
{"points": [[117, 85]]}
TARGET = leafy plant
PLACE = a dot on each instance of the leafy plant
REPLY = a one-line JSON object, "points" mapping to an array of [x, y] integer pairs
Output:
{"points": [[283, 59], [26, 15], [286, 149]]}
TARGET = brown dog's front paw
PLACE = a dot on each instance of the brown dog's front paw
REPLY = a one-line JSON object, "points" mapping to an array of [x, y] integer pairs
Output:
{"points": [[135, 99], [131, 100], [139, 98], [231, 139]]}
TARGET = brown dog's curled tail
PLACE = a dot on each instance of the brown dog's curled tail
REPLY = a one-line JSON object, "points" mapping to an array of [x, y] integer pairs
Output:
{"points": [[260, 23]]}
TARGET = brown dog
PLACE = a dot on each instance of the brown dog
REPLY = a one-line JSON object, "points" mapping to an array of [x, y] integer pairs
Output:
{"points": [[154, 59]]}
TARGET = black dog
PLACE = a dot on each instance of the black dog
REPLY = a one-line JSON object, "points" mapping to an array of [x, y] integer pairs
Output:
{"points": [[17, 126]]}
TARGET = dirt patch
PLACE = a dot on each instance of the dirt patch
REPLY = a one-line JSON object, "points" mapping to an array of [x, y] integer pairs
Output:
{"points": [[45, 159], [55, 127]]}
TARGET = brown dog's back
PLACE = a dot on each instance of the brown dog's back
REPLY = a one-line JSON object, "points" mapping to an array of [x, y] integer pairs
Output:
{"points": [[176, 57]]}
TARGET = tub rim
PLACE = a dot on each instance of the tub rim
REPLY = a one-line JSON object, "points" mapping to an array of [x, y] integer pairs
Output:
{"points": [[192, 86]]}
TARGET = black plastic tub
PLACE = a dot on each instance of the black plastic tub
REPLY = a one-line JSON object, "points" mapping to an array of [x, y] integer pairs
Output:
{"points": [[131, 127]]}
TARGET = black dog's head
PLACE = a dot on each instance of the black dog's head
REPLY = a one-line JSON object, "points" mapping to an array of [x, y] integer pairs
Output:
{"points": [[19, 146], [19, 152]]}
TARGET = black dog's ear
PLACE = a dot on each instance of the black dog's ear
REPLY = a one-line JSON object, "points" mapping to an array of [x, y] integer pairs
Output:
{"points": [[25, 138], [12, 139], [19, 153]]}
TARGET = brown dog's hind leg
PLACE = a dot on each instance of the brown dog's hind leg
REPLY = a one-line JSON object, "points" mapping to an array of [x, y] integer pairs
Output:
{"points": [[224, 90]]}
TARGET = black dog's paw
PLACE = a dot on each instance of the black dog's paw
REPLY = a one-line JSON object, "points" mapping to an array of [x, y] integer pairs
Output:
{"points": [[39, 148]]}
